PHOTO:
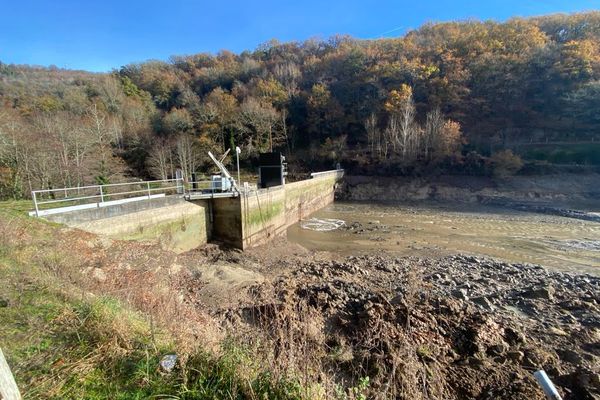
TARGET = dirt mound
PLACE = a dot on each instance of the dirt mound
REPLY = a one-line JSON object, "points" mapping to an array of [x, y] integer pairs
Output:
{"points": [[461, 327], [219, 285]]}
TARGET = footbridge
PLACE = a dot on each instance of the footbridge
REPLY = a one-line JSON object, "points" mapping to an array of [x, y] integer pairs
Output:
{"points": [[182, 215]]}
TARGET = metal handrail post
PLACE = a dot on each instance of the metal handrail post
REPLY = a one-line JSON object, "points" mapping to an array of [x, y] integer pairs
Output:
{"points": [[106, 197], [37, 211]]}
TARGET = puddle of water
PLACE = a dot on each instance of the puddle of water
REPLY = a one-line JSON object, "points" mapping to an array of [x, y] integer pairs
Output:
{"points": [[322, 225], [435, 230]]}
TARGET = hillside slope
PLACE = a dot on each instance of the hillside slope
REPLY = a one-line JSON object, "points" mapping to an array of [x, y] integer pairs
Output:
{"points": [[439, 95]]}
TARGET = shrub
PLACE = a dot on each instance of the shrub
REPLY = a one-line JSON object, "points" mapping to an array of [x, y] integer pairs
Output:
{"points": [[505, 163]]}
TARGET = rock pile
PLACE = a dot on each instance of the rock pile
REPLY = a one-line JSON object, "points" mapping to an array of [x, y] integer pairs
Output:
{"points": [[462, 326]]}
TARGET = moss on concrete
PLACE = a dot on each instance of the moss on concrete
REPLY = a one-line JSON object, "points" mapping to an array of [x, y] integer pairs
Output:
{"points": [[308, 189], [183, 234], [263, 214]]}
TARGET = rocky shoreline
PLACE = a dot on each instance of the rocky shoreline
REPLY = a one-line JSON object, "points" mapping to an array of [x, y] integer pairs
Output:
{"points": [[563, 195], [542, 209]]}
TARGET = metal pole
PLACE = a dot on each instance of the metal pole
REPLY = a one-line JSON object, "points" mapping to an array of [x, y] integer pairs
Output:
{"points": [[148, 183], [547, 385], [8, 386], [180, 182], [101, 194], [237, 156], [37, 211]]}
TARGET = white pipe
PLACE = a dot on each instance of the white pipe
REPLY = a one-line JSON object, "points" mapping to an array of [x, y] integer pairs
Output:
{"points": [[547, 385]]}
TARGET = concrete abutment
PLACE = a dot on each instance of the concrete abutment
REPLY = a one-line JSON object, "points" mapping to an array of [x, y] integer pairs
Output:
{"points": [[242, 222]]}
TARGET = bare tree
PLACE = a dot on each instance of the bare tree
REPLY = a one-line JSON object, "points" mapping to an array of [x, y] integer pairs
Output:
{"points": [[188, 155], [111, 94], [160, 161], [408, 132], [391, 135], [284, 129], [11, 153], [115, 129], [373, 135], [104, 131], [135, 119], [261, 119], [58, 129], [99, 131], [82, 145], [288, 73], [434, 124]]}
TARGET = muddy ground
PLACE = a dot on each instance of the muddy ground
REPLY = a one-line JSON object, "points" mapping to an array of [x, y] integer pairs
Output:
{"points": [[456, 327], [459, 327]]}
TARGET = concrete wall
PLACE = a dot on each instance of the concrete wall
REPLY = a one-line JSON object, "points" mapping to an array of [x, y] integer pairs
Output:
{"points": [[305, 197], [227, 221], [267, 213], [263, 215], [179, 225], [176, 224]]}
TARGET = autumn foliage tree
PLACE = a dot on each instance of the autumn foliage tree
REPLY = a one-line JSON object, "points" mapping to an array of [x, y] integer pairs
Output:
{"points": [[416, 99]]}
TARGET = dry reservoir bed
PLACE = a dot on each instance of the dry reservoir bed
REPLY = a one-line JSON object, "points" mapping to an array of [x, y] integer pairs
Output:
{"points": [[433, 229]]}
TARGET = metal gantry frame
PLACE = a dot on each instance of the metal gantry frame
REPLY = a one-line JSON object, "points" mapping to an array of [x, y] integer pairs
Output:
{"points": [[223, 170]]}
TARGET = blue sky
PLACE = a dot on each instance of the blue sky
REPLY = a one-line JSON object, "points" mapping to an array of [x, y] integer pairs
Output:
{"points": [[106, 34]]}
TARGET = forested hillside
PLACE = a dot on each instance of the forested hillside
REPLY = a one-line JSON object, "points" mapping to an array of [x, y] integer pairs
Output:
{"points": [[447, 94]]}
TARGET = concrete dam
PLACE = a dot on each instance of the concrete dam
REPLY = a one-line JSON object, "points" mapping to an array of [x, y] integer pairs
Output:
{"points": [[246, 220]]}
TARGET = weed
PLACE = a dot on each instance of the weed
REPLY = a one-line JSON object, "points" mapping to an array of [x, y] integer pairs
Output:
{"points": [[359, 391]]}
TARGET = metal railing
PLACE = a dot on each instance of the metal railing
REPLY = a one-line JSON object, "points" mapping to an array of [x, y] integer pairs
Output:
{"points": [[204, 186], [337, 172], [82, 197], [208, 188], [52, 201], [213, 189]]}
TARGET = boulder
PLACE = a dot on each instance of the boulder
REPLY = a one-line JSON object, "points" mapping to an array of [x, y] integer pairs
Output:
{"points": [[545, 292], [168, 362]]}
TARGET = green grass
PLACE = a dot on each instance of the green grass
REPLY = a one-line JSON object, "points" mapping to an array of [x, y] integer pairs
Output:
{"points": [[16, 207], [64, 343]]}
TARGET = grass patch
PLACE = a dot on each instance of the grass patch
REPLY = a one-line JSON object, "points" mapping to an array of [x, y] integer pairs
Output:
{"points": [[63, 342], [16, 207]]}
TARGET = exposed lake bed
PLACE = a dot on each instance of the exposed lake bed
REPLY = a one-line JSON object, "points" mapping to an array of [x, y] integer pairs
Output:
{"points": [[433, 228]]}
